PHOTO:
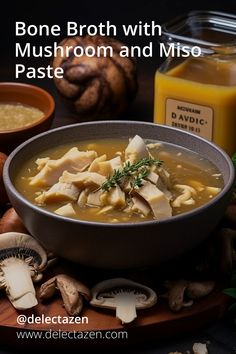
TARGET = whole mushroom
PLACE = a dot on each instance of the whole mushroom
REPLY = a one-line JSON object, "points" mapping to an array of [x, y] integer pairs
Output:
{"points": [[11, 221], [22, 260], [181, 293], [176, 292], [97, 86]]}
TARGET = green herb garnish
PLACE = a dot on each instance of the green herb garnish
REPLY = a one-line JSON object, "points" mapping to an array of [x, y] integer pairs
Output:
{"points": [[136, 170], [138, 180], [234, 160]]}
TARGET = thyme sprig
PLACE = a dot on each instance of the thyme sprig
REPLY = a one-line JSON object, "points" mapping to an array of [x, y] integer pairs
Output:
{"points": [[138, 180], [138, 171]]}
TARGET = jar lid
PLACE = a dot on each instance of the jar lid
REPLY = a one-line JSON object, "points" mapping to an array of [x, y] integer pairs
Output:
{"points": [[214, 32]]}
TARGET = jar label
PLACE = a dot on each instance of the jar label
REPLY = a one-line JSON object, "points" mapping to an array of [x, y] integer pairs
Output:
{"points": [[194, 118]]}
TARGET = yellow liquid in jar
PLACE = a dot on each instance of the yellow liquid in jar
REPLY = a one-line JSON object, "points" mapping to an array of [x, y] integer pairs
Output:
{"points": [[199, 96]]}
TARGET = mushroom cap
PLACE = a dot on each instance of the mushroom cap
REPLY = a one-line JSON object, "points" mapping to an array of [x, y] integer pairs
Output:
{"points": [[22, 244], [196, 290], [145, 296]]}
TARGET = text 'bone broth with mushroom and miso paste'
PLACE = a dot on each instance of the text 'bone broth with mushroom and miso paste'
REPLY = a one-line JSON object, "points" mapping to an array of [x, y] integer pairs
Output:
{"points": [[198, 94]]}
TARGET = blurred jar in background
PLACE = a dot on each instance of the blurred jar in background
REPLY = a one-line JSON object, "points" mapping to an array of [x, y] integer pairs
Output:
{"points": [[198, 93]]}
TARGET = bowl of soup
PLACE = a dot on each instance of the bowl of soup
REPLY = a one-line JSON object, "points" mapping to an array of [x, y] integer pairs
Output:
{"points": [[25, 111], [119, 194]]}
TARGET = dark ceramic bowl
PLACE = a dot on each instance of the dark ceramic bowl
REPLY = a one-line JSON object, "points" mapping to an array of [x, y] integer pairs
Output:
{"points": [[30, 95], [119, 245]]}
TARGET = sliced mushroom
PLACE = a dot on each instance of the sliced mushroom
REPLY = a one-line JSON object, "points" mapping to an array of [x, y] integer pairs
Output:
{"points": [[181, 293], [72, 292], [22, 260], [123, 295]]}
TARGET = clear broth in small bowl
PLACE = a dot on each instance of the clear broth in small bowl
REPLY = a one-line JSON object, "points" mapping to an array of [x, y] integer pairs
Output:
{"points": [[15, 115]]}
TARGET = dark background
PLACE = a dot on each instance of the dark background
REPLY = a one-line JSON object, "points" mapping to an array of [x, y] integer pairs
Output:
{"points": [[90, 12], [93, 12], [221, 335]]}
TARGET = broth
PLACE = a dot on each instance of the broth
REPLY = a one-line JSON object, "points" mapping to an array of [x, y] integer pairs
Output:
{"points": [[184, 166], [17, 115]]}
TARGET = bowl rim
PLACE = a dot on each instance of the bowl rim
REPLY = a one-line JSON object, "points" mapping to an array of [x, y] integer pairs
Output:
{"points": [[41, 92], [9, 183]]}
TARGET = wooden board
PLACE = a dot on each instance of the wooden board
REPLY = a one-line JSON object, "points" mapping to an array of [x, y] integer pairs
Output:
{"points": [[156, 323]]}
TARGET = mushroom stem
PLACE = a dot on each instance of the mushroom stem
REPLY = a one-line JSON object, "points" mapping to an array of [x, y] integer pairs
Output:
{"points": [[16, 278], [126, 308]]}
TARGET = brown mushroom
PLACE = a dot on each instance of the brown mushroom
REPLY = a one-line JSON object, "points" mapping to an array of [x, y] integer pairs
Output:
{"points": [[72, 292], [196, 290], [11, 222], [181, 293], [176, 293]]}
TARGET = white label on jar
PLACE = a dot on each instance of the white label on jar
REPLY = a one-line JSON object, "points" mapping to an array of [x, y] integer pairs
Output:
{"points": [[193, 118]]}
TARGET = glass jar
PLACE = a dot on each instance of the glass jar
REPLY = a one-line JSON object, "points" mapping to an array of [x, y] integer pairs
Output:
{"points": [[198, 93]]}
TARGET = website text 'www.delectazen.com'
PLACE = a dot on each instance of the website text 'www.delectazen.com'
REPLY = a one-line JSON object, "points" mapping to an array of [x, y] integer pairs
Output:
{"points": [[62, 334], [72, 335]]}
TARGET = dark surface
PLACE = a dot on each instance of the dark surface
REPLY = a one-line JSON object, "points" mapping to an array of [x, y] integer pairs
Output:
{"points": [[221, 335]]}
